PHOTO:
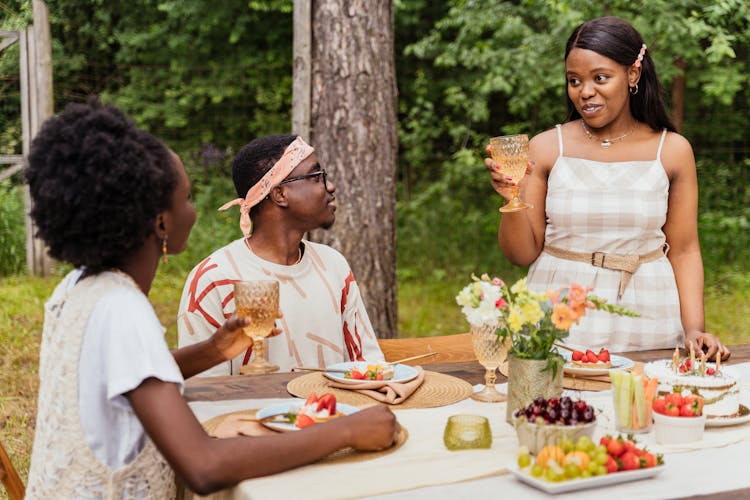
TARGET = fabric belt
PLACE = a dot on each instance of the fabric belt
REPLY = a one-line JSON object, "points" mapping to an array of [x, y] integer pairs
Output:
{"points": [[627, 264]]}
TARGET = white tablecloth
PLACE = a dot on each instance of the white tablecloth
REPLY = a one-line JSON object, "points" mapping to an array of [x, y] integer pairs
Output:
{"points": [[422, 468]]}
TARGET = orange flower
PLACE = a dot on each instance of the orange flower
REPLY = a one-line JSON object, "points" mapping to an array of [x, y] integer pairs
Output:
{"points": [[577, 295], [563, 316], [554, 295]]}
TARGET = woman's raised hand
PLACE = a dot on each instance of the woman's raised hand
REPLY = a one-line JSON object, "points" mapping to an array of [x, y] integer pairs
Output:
{"points": [[501, 183], [230, 340]]}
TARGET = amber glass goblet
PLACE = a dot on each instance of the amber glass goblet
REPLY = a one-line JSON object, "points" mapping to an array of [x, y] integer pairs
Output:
{"points": [[259, 301], [511, 152]]}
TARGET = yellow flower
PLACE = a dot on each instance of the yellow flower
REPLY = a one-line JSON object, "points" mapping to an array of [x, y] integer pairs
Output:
{"points": [[532, 312], [515, 319]]}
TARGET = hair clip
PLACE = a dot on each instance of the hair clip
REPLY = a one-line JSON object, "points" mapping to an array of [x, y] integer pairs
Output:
{"points": [[640, 56]]}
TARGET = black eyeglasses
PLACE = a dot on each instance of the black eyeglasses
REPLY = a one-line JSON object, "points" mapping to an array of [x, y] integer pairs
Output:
{"points": [[320, 173]]}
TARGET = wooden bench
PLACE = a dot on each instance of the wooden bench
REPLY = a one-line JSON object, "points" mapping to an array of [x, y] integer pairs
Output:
{"points": [[450, 349]]}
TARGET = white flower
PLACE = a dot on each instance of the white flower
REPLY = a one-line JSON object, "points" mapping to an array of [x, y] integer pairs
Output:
{"points": [[479, 301]]}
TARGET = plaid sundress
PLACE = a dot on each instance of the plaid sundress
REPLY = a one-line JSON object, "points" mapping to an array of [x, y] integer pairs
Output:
{"points": [[613, 207]]}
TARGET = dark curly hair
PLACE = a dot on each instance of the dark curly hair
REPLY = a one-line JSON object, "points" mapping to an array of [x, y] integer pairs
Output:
{"points": [[255, 159], [97, 184], [616, 39]]}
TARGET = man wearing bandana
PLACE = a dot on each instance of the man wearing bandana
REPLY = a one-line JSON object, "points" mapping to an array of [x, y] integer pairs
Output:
{"points": [[283, 193]]}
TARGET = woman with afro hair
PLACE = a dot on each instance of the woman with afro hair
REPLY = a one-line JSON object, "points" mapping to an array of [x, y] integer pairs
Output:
{"points": [[112, 423]]}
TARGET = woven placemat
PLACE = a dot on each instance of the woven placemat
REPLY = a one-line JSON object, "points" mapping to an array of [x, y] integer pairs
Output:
{"points": [[437, 389], [341, 456]]}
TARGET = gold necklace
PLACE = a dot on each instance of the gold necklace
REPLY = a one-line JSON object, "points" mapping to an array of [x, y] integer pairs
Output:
{"points": [[607, 143], [299, 250]]}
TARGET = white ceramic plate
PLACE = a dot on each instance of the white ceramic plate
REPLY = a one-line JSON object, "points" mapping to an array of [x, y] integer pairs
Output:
{"points": [[585, 483], [616, 362], [401, 373], [290, 406], [742, 418]]}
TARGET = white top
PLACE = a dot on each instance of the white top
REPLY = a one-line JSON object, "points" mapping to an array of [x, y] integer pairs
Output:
{"points": [[612, 207], [63, 463], [325, 320], [123, 345]]}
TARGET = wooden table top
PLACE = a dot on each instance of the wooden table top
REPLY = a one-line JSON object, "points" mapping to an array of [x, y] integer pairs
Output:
{"points": [[274, 385]]}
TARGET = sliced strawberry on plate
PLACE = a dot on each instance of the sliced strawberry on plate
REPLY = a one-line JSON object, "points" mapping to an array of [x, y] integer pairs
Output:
{"points": [[577, 356], [327, 401], [603, 355], [591, 356], [304, 421], [311, 399]]}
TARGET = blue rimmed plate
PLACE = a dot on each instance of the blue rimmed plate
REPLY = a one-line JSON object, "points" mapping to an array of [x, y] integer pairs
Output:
{"points": [[286, 407]]}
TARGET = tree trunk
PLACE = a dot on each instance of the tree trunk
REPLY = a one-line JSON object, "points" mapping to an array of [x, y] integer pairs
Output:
{"points": [[353, 123], [678, 94]]}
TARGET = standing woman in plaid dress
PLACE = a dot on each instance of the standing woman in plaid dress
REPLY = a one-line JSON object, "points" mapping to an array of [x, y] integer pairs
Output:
{"points": [[615, 198]]}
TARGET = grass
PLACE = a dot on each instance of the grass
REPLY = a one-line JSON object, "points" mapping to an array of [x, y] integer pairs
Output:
{"points": [[426, 308]]}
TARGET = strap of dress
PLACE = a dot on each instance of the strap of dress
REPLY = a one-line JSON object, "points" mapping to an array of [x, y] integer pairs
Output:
{"points": [[559, 138], [661, 143]]}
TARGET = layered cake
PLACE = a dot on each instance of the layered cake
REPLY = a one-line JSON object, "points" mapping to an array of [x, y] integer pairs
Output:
{"points": [[719, 388]]}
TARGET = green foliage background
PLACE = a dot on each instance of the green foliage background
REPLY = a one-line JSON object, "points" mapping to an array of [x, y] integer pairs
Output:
{"points": [[209, 76]]}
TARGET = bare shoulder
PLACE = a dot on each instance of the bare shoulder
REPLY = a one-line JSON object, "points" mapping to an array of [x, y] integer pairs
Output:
{"points": [[677, 154], [544, 149]]}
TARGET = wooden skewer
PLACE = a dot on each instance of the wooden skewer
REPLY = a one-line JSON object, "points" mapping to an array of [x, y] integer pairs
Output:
{"points": [[565, 347], [310, 369], [412, 358], [266, 418]]}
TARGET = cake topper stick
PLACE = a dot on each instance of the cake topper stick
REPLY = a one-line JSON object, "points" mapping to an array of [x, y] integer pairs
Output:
{"points": [[692, 356], [676, 359], [703, 363], [718, 360]]}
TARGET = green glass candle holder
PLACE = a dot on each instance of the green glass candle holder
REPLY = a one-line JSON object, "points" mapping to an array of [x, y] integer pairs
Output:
{"points": [[466, 432]]}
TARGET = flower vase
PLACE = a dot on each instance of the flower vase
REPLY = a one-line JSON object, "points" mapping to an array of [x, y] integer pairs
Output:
{"points": [[528, 380]]}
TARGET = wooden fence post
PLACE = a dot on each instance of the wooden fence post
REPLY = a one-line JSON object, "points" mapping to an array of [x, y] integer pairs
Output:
{"points": [[37, 105], [302, 69]]}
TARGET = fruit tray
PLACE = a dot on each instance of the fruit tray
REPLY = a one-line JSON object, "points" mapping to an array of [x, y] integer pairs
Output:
{"points": [[584, 483]]}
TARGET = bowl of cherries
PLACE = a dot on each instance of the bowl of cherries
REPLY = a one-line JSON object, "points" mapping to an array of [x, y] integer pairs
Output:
{"points": [[551, 421]]}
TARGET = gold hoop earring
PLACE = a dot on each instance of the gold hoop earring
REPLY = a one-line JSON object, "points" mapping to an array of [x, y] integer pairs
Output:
{"points": [[164, 258], [633, 90]]}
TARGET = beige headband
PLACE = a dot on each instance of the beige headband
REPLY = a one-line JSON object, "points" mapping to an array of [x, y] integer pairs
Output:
{"points": [[293, 155]]}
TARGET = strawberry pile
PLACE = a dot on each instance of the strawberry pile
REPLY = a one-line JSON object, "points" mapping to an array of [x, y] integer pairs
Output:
{"points": [[315, 409], [590, 356], [677, 405], [625, 455]]}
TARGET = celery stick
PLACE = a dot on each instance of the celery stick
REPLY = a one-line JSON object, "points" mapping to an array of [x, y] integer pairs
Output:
{"points": [[640, 400], [615, 377], [625, 407]]}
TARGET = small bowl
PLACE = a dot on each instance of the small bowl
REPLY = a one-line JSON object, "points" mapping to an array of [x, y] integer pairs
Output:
{"points": [[675, 430], [540, 434]]}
